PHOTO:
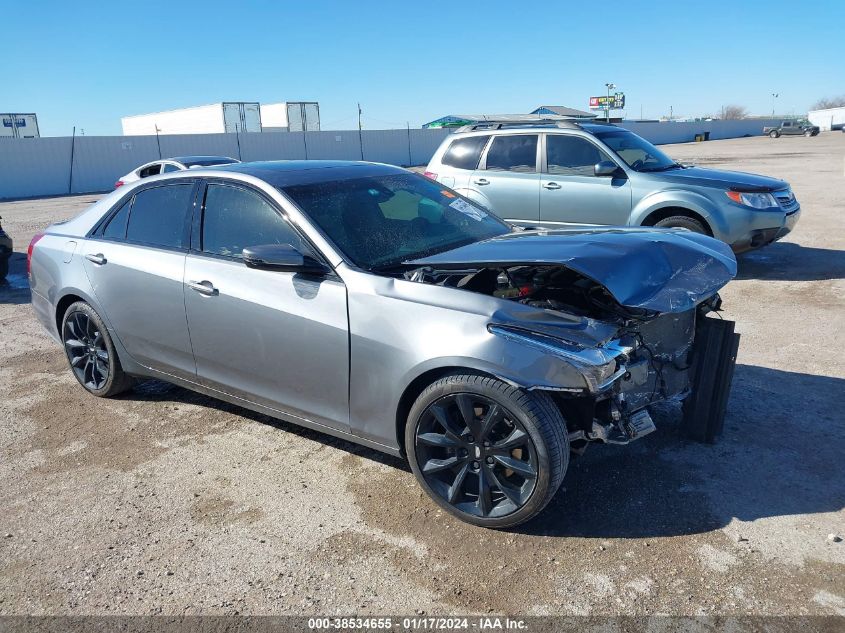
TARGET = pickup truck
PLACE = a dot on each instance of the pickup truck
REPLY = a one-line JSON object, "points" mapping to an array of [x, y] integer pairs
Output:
{"points": [[792, 128]]}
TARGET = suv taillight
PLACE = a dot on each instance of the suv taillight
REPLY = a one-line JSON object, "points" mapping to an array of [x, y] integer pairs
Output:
{"points": [[430, 174], [119, 183], [32, 244]]}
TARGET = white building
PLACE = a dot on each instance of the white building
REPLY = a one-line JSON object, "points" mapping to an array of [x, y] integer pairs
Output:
{"points": [[829, 119], [226, 117]]}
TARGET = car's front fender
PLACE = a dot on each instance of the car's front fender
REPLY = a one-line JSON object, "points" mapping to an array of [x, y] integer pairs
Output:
{"points": [[684, 199]]}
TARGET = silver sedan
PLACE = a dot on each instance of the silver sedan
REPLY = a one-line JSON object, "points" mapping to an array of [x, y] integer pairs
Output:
{"points": [[378, 306]]}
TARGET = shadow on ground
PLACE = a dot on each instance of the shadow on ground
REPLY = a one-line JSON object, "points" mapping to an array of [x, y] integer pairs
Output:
{"points": [[781, 454], [14, 289], [785, 261]]}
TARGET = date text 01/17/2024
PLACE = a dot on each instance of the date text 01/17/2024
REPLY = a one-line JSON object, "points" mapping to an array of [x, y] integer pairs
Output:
{"points": [[417, 623]]}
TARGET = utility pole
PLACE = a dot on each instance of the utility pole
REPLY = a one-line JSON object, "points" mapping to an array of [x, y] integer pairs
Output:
{"points": [[775, 95], [360, 133], [158, 142], [610, 86]]}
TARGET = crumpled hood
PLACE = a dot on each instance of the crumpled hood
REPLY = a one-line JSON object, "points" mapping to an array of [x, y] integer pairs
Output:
{"points": [[728, 180], [665, 270]]}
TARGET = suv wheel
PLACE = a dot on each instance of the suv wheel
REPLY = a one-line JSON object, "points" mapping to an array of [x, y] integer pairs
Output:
{"points": [[774, 134], [90, 352], [684, 222], [487, 452]]}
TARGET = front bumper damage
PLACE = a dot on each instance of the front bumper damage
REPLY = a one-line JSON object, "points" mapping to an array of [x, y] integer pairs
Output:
{"points": [[686, 357]]}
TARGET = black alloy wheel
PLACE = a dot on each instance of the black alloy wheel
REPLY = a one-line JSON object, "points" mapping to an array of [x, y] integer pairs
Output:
{"points": [[489, 453], [86, 351], [91, 353], [476, 455]]}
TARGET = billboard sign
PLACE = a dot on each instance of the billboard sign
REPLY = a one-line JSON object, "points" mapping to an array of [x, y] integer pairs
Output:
{"points": [[613, 102]]}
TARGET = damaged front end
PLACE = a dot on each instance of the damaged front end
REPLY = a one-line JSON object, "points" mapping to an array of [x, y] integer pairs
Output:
{"points": [[633, 324]]}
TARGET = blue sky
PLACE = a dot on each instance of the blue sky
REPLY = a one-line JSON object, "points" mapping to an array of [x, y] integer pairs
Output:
{"points": [[87, 64]]}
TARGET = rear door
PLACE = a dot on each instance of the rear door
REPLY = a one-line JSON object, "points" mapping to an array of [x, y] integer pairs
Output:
{"points": [[459, 160], [571, 193], [135, 262], [279, 339], [507, 180]]}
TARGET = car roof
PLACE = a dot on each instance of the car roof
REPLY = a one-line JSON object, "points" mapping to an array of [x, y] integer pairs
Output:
{"points": [[188, 160], [285, 173]]}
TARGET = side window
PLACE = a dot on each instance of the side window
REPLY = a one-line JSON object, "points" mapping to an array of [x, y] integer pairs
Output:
{"points": [[517, 152], [235, 218], [152, 170], [572, 155], [169, 167], [465, 152], [158, 215], [116, 228]]}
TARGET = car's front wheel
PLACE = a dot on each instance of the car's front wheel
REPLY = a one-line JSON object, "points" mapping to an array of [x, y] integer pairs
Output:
{"points": [[489, 453], [90, 352], [682, 221]]}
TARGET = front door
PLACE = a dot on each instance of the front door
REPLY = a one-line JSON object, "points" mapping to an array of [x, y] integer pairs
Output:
{"points": [[279, 339], [571, 193], [135, 263], [507, 181]]}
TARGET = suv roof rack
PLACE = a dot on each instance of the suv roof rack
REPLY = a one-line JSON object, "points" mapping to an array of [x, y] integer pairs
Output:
{"points": [[539, 121]]}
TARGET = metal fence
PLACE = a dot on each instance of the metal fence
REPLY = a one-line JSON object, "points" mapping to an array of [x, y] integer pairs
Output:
{"points": [[84, 164]]}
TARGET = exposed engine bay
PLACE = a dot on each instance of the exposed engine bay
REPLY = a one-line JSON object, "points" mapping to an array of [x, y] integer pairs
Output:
{"points": [[650, 359]]}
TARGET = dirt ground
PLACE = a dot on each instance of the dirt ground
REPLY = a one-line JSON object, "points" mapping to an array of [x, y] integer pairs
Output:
{"points": [[164, 501]]}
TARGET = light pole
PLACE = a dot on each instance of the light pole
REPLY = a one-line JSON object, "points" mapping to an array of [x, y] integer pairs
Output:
{"points": [[607, 105], [774, 96]]}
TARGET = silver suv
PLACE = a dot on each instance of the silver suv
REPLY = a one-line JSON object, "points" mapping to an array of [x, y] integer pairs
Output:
{"points": [[564, 173]]}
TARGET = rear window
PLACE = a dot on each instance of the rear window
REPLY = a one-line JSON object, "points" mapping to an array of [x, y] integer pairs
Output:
{"points": [[517, 152], [158, 215], [465, 152]]}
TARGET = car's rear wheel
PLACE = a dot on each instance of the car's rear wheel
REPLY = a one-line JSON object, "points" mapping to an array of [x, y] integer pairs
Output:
{"points": [[774, 134], [487, 452], [90, 352], [682, 221]]}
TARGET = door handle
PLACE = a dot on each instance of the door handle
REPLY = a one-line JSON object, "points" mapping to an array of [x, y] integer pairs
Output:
{"points": [[551, 185], [481, 181], [204, 287], [98, 259]]}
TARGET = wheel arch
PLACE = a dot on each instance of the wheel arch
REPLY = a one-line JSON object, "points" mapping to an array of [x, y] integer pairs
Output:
{"points": [[666, 212], [418, 385]]}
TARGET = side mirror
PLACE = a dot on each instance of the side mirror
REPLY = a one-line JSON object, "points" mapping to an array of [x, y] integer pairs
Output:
{"points": [[606, 168], [283, 257]]}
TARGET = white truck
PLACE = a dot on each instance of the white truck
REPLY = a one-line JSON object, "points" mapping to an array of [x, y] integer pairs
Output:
{"points": [[829, 118], [229, 116], [15, 125]]}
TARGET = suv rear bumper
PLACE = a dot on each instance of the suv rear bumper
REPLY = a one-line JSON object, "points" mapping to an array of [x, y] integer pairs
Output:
{"points": [[759, 237]]}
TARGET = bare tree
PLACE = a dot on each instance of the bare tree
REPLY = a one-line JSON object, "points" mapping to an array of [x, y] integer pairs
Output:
{"points": [[734, 112], [829, 102]]}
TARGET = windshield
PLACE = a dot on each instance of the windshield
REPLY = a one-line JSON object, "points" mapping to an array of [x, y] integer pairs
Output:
{"points": [[382, 221], [637, 152]]}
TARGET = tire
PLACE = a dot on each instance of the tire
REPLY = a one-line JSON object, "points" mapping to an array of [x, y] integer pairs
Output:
{"points": [[774, 134], [683, 221], [90, 352], [520, 453], [808, 134], [4, 268]]}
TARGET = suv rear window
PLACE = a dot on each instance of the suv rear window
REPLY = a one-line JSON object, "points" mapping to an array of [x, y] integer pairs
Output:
{"points": [[517, 152], [465, 152]]}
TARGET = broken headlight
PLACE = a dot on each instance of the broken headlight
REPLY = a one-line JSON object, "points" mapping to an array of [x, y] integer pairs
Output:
{"points": [[600, 366]]}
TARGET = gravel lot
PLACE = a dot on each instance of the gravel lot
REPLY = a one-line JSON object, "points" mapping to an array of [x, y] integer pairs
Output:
{"points": [[164, 501]]}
